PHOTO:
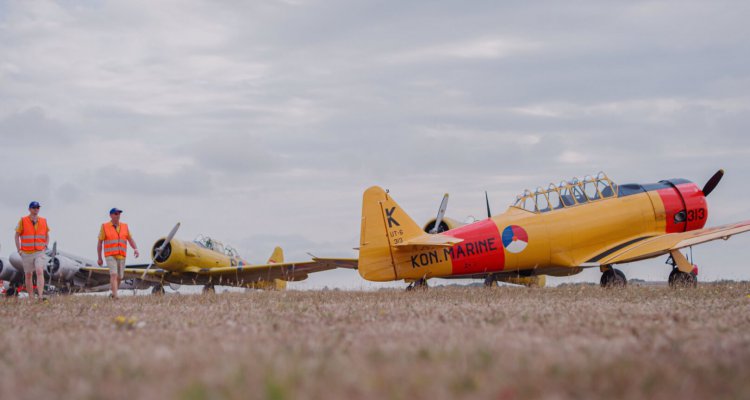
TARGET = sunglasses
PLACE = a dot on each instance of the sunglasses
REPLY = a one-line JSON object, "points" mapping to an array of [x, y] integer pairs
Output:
{"points": [[35, 208]]}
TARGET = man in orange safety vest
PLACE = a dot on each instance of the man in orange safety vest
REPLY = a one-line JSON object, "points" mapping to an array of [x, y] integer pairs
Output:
{"points": [[32, 238], [113, 239]]}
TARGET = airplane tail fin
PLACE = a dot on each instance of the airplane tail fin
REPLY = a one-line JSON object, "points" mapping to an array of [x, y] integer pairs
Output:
{"points": [[384, 225], [277, 257]]}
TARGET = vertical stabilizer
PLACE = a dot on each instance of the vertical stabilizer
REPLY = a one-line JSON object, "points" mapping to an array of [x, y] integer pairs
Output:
{"points": [[384, 224], [277, 257]]}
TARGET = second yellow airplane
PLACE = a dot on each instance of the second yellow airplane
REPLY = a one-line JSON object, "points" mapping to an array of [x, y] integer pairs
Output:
{"points": [[208, 262]]}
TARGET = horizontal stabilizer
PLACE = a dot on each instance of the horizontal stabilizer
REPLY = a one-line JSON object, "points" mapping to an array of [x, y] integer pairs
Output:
{"points": [[437, 240]]}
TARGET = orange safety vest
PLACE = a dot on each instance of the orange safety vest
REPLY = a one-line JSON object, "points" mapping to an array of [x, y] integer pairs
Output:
{"points": [[33, 237], [115, 244]]}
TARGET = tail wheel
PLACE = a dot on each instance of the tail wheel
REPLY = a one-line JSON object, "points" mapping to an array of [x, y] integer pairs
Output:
{"points": [[419, 284], [613, 278], [679, 279], [490, 281], [209, 289], [157, 290]]}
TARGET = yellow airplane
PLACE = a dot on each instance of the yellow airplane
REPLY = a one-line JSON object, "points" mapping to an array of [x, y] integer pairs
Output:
{"points": [[208, 262], [557, 231]]}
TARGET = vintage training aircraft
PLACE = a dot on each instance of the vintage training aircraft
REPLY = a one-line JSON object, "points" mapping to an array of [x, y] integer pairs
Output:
{"points": [[208, 262], [556, 231]]}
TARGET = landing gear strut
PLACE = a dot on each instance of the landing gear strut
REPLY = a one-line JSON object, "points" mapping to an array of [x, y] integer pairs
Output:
{"points": [[209, 289], [613, 278], [419, 284], [679, 279], [157, 290]]}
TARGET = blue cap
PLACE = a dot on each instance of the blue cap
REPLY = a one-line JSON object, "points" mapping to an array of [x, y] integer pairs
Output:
{"points": [[34, 204], [114, 210]]}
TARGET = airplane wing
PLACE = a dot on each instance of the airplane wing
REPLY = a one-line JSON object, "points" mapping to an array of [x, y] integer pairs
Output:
{"points": [[153, 275], [233, 276], [436, 240], [267, 272], [664, 244], [348, 263]]}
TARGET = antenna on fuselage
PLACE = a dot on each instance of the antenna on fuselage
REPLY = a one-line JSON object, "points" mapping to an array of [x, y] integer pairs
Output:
{"points": [[487, 199]]}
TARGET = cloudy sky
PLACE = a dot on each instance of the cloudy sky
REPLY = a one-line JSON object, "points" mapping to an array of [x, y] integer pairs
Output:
{"points": [[262, 122]]}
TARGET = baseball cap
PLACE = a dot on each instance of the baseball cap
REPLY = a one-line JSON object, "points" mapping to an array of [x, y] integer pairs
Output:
{"points": [[34, 204], [115, 210]]}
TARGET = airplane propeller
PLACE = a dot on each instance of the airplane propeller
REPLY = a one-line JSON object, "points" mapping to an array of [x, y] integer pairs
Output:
{"points": [[51, 262], [713, 182], [440, 214], [161, 248], [487, 199]]}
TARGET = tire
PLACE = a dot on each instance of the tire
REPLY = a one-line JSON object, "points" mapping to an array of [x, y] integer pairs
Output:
{"points": [[209, 289], [679, 279], [157, 290], [613, 278], [490, 281]]}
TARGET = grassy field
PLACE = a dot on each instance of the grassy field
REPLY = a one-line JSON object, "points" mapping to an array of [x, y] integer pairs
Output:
{"points": [[500, 343]]}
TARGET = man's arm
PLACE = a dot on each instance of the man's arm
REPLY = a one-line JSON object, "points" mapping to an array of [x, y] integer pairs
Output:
{"points": [[18, 241], [99, 253], [134, 246]]}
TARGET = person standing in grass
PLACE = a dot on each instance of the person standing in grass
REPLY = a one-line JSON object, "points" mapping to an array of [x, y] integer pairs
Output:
{"points": [[113, 239], [32, 238]]}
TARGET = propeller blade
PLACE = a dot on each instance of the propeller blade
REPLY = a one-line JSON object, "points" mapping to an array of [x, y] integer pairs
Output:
{"points": [[161, 248], [713, 182], [487, 199], [52, 253], [440, 214]]}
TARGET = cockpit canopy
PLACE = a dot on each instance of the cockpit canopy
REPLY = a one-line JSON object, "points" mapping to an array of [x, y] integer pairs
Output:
{"points": [[567, 194], [215, 245]]}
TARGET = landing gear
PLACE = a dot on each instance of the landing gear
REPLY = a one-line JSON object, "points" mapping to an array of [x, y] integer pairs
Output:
{"points": [[12, 291], [679, 279], [209, 289], [490, 281], [613, 278], [157, 290], [419, 284]]}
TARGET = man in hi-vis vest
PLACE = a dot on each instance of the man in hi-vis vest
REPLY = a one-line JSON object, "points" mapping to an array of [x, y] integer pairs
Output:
{"points": [[113, 239], [32, 237]]}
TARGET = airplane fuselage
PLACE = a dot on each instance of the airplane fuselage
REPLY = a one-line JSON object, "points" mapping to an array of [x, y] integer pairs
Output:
{"points": [[551, 241]]}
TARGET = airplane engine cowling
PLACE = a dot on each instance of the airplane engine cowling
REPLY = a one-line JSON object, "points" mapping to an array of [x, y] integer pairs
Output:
{"points": [[445, 225], [7, 271], [62, 269]]}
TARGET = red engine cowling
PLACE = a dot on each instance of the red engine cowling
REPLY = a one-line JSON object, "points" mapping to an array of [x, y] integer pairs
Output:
{"points": [[685, 206]]}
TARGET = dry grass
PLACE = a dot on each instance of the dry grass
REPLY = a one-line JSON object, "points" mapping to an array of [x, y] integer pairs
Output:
{"points": [[503, 343]]}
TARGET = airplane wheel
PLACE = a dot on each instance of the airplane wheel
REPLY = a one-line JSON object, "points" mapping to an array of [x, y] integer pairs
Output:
{"points": [[679, 279], [613, 278], [490, 281], [157, 290], [209, 289], [419, 284]]}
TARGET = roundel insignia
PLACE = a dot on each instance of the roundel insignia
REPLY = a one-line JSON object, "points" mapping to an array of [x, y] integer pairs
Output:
{"points": [[515, 239]]}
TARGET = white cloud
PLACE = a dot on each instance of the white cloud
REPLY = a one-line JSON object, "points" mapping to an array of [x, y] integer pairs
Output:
{"points": [[478, 49]]}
